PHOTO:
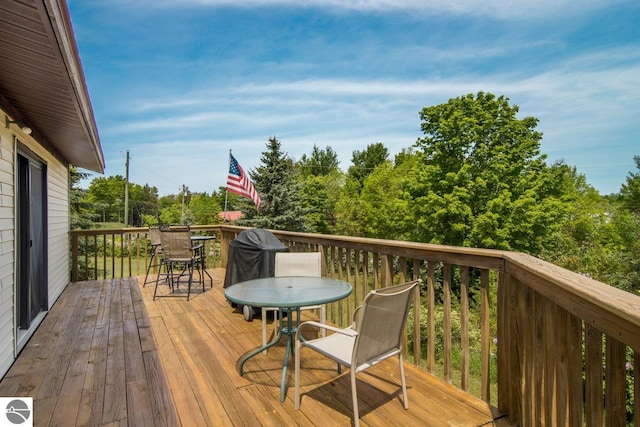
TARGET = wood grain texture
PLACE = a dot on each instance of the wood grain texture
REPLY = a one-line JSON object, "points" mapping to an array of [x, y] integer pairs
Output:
{"points": [[108, 355]]}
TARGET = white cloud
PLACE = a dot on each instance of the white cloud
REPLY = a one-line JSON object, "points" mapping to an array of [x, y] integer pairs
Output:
{"points": [[500, 9], [582, 102]]}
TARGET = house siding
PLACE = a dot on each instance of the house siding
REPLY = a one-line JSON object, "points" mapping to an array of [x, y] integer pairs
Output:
{"points": [[58, 228], [57, 190], [7, 250]]}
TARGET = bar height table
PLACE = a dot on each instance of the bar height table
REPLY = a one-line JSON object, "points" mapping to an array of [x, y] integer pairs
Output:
{"points": [[198, 238]]}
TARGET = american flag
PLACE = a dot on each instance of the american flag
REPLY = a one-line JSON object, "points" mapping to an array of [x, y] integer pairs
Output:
{"points": [[238, 182]]}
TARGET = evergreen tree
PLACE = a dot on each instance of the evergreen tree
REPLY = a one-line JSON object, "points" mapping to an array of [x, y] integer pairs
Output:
{"points": [[276, 181], [80, 215], [320, 196]]}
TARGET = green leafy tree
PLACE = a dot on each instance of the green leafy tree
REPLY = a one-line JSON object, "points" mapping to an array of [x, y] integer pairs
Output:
{"points": [[107, 196], [319, 163], [349, 218], [204, 209], [321, 181], [365, 161], [143, 201], [630, 190], [320, 196], [483, 181], [171, 215], [150, 220], [232, 201], [276, 181], [386, 204]]}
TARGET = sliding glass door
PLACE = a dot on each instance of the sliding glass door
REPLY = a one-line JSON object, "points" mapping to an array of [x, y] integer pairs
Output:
{"points": [[31, 236]]}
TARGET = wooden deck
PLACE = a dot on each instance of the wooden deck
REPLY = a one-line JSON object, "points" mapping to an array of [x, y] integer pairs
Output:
{"points": [[107, 354]]}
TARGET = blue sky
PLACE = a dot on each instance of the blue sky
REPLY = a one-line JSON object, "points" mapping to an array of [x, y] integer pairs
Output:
{"points": [[180, 82]]}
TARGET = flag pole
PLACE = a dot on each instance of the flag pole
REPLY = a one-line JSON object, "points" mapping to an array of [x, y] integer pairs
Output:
{"points": [[226, 192]]}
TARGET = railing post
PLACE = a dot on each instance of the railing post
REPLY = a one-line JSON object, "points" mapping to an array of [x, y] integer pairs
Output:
{"points": [[387, 269], [74, 257]]}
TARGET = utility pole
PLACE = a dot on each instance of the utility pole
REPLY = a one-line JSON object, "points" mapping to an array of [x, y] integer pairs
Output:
{"points": [[184, 189], [126, 192]]}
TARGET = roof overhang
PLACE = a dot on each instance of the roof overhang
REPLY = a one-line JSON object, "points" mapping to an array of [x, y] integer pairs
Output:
{"points": [[42, 83]]}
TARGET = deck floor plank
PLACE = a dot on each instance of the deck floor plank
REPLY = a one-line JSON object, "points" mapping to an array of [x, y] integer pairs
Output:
{"points": [[62, 358], [73, 385], [115, 392], [108, 355], [182, 395], [92, 399]]}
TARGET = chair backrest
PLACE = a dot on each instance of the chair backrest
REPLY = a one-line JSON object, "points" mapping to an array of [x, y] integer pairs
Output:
{"points": [[176, 242], [298, 264], [154, 236], [381, 323]]}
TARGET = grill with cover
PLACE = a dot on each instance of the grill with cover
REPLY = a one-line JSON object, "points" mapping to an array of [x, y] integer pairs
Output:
{"points": [[252, 255]]}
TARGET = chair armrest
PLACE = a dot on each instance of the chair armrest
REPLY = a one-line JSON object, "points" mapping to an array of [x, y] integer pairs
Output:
{"points": [[354, 318], [348, 332]]}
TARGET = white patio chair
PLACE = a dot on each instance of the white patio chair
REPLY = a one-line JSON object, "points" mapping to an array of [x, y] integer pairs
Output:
{"points": [[307, 264], [375, 335]]}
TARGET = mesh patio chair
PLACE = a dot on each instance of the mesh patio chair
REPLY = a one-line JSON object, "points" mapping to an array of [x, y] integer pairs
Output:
{"points": [[179, 255], [156, 254], [306, 264], [375, 335]]}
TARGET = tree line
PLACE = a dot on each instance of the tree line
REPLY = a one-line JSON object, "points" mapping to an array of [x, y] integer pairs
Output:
{"points": [[475, 178]]}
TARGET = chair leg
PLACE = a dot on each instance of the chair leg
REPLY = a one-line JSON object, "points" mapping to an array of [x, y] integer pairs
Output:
{"points": [[201, 269], [405, 400], [323, 320], [146, 276], [158, 277], [296, 398], [354, 396], [190, 280], [156, 289], [169, 267]]}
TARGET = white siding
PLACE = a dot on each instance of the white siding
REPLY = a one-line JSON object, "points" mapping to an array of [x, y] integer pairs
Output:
{"points": [[7, 248], [57, 229]]}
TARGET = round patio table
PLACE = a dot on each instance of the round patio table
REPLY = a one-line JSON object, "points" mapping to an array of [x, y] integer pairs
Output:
{"points": [[288, 293]]}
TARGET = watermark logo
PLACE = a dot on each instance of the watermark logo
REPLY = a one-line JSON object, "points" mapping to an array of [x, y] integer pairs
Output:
{"points": [[17, 411]]}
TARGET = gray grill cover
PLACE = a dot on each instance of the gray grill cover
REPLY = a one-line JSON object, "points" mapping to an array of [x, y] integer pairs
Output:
{"points": [[252, 255]]}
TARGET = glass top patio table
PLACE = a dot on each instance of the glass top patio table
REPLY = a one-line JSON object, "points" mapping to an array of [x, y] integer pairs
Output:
{"points": [[288, 293]]}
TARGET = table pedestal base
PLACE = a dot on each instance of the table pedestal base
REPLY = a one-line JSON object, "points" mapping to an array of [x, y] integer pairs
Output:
{"points": [[289, 331]]}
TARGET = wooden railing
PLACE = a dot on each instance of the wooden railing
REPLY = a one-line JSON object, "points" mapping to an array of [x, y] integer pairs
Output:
{"points": [[545, 345], [124, 252]]}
